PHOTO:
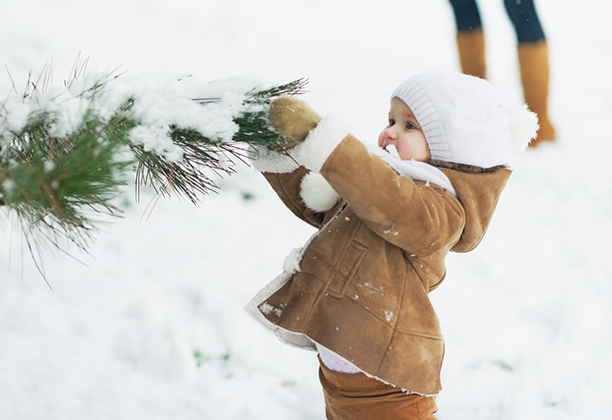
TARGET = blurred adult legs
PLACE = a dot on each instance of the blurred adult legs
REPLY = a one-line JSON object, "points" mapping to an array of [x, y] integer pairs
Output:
{"points": [[532, 52], [533, 62], [470, 37]]}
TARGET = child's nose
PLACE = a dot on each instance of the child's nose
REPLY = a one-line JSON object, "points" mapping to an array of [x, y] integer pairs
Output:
{"points": [[390, 133]]}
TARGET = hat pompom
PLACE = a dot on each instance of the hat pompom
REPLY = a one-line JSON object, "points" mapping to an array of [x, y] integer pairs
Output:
{"points": [[523, 126]]}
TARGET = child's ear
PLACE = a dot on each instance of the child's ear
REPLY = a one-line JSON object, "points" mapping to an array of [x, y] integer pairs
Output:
{"points": [[293, 118]]}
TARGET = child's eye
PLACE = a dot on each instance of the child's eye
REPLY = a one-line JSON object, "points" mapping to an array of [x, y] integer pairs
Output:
{"points": [[410, 126], [391, 122]]}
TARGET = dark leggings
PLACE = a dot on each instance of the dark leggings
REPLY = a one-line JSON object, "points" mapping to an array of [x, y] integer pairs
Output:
{"points": [[522, 13]]}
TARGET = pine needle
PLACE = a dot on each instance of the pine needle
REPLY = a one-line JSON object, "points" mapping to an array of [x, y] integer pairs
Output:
{"points": [[57, 185]]}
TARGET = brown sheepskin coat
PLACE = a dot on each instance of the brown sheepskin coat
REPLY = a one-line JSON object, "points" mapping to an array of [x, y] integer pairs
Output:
{"points": [[362, 289]]}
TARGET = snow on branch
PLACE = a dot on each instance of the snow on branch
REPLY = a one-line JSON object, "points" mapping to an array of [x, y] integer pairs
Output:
{"points": [[66, 151]]}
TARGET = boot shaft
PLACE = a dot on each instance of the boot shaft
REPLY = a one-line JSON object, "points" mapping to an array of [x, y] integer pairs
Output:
{"points": [[471, 48], [534, 68]]}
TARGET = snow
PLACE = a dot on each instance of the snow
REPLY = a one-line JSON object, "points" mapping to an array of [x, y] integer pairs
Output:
{"points": [[162, 100], [291, 264], [151, 325], [159, 100]]}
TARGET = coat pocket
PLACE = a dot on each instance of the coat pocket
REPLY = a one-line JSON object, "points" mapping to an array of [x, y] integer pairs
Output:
{"points": [[346, 271]]}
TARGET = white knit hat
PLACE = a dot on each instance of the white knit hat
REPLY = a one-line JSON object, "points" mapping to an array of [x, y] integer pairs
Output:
{"points": [[464, 118]]}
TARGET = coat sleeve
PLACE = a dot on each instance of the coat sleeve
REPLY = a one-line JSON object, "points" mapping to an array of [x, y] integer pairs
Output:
{"points": [[287, 187], [415, 216], [285, 177]]}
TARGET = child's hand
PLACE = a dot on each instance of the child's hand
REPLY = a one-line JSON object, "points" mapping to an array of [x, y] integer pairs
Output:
{"points": [[293, 119]]}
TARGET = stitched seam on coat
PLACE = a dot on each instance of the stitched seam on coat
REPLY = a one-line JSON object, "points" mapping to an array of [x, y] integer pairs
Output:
{"points": [[305, 248], [347, 247], [422, 335], [399, 314]]}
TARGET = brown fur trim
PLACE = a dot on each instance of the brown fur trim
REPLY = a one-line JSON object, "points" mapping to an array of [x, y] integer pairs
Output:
{"points": [[471, 169]]}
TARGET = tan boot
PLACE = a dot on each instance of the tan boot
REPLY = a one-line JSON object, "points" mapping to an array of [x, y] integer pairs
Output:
{"points": [[471, 47], [533, 62]]}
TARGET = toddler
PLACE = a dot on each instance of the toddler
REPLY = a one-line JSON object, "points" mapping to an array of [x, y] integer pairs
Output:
{"points": [[357, 292]]}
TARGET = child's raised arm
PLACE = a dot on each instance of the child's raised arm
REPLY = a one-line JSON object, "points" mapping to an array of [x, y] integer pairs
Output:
{"points": [[418, 218]]}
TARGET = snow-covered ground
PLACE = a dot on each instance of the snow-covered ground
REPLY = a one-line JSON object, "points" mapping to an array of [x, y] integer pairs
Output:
{"points": [[153, 326]]}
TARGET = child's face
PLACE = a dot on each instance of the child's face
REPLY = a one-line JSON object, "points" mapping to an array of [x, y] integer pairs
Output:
{"points": [[404, 133]]}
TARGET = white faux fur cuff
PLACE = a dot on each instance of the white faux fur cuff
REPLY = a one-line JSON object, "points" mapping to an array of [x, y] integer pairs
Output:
{"points": [[320, 143], [264, 160]]}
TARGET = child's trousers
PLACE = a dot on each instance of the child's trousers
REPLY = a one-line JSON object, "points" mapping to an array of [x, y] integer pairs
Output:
{"points": [[359, 397]]}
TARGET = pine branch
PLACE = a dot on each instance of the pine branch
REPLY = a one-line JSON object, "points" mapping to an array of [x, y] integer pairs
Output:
{"points": [[190, 176], [204, 155], [48, 181], [65, 165]]}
